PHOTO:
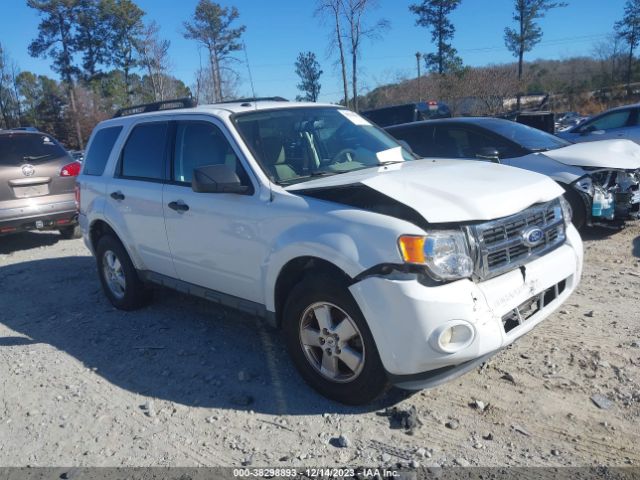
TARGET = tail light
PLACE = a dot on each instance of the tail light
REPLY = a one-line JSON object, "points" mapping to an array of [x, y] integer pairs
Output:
{"points": [[71, 169]]}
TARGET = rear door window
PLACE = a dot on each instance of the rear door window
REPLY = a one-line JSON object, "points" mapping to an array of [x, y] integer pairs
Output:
{"points": [[144, 155], [20, 148], [99, 151]]}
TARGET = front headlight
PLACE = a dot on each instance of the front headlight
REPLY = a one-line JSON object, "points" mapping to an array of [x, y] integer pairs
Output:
{"points": [[444, 253], [567, 212]]}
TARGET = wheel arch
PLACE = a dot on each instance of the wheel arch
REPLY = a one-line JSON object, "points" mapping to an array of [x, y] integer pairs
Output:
{"points": [[100, 227], [294, 271], [574, 197]]}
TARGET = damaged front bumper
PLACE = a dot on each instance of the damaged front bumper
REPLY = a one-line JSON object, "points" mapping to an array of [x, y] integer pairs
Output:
{"points": [[407, 318]]}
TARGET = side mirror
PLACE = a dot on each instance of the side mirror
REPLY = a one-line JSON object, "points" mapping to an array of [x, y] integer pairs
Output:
{"points": [[216, 179], [489, 153], [588, 130]]}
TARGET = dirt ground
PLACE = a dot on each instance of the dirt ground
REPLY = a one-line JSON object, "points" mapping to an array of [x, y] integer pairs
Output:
{"points": [[186, 383]]}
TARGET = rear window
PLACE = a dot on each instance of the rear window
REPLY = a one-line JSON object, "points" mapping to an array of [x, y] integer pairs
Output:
{"points": [[143, 155], [20, 148], [99, 151]]}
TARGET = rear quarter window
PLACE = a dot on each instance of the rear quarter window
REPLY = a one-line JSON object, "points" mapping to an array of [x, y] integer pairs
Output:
{"points": [[99, 151]]}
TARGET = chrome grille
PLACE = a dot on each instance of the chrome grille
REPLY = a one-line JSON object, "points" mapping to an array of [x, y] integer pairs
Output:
{"points": [[501, 245]]}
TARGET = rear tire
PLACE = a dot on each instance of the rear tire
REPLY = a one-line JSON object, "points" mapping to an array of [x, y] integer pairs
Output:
{"points": [[578, 207], [118, 276], [345, 352], [69, 233]]}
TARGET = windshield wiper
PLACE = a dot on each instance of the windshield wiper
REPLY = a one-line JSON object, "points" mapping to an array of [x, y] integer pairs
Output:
{"points": [[389, 162], [302, 178], [32, 158]]}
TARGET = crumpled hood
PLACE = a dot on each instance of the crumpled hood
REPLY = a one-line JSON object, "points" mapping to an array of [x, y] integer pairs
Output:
{"points": [[617, 154], [445, 191]]}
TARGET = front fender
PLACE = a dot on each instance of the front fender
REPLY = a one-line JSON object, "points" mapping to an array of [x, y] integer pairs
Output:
{"points": [[352, 252]]}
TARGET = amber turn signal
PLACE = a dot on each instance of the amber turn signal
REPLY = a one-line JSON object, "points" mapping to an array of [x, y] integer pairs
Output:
{"points": [[412, 248]]}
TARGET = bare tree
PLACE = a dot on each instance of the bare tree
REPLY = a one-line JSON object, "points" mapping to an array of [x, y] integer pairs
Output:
{"points": [[487, 89], [609, 54], [154, 57], [332, 9], [205, 90], [8, 100], [355, 12]]}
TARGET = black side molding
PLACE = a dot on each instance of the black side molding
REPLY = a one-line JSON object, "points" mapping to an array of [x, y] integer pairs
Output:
{"points": [[236, 303]]}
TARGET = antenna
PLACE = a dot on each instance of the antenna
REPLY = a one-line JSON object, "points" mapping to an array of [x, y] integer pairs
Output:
{"points": [[246, 59]]}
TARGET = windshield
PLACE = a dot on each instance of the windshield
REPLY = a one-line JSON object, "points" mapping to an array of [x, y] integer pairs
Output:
{"points": [[296, 144], [528, 137], [21, 148]]}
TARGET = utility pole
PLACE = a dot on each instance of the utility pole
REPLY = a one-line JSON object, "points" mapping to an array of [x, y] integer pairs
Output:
{"points": [[418, 56]]}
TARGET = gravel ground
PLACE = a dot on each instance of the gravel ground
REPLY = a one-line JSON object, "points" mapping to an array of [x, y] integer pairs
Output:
{"points": [[186, 383]]}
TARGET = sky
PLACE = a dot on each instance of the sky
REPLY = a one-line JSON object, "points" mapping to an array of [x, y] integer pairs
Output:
{"points": [[277, 30]]}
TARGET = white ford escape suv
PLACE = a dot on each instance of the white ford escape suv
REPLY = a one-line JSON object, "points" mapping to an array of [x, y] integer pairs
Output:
{"points": [[380, 268]]}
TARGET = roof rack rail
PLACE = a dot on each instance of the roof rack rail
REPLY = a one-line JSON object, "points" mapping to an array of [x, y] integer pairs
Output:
{"points": [[255, 99], [186, 102]]}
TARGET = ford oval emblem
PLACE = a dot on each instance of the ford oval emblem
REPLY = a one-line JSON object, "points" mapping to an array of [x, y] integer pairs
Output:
{"points": [[28, 170], [533, 236]]}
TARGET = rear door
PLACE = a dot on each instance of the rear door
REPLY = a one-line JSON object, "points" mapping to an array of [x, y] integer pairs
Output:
{"points": [[31, 170], [134, 196]]}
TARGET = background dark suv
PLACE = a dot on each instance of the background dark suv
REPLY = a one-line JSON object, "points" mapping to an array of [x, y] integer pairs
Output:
{"points": [[37, 184]]}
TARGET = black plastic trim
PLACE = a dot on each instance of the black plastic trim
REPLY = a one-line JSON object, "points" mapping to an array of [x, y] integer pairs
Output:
{"points": [[436, 377], [224, 299], [366, 198]]}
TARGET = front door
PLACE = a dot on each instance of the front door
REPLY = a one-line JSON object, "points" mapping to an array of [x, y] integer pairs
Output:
{"points": [[214, 237]]}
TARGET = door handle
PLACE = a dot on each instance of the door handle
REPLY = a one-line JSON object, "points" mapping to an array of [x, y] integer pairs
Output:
{"points": [[178, 206], [117, 195]]}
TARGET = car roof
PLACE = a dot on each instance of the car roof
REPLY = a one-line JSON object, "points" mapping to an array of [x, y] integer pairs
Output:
{"points": [[478, 121], [21, 132], [220, 109]]}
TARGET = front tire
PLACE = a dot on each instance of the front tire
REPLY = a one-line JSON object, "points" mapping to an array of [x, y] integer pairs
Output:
{"points": [[118, 276], [578, 207], [330, 342]]}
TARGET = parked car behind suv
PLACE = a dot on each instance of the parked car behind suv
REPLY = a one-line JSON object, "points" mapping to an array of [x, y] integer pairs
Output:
{"points": [[37, 183], [408, 112], [601, 180], [379, 267]]}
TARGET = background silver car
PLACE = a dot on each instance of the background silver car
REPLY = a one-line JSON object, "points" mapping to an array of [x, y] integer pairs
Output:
{"points": [[621, 122], [37, 184]]}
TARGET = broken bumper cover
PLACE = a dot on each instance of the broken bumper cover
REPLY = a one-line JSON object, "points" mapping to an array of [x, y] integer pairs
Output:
{"points": [[407, 318]]}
